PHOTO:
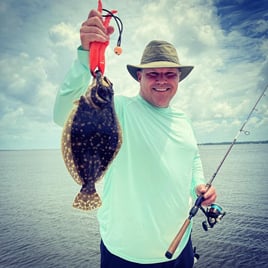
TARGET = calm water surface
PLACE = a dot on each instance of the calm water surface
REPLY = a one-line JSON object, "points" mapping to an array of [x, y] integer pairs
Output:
{"points": [[39, 227]]}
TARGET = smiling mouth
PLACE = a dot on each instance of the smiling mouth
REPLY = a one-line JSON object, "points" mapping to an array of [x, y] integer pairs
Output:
{"points": [[161, 89]]}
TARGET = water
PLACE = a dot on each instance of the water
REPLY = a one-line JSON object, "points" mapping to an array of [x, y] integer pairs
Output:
{"points": [[240, 240], [39, 227]]}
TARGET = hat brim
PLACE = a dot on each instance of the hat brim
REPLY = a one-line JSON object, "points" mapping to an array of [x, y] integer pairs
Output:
{"points": [[133, 69]]}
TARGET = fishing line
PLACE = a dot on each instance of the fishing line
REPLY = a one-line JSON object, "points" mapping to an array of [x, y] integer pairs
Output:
{"points": [[214, 213]]}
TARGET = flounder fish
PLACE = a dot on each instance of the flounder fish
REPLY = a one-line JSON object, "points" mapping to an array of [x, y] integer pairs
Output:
{"points": [[91, 139]]}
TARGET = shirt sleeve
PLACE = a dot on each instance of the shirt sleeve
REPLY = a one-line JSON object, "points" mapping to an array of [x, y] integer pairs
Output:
{"points": [[198, 174], [74, 85]]}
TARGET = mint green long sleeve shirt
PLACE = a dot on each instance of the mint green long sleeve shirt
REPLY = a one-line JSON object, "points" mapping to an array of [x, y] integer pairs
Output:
{"points": [[148, 189]]}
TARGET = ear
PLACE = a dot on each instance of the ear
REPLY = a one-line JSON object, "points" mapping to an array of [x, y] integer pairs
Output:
{"points": [[139, 75]]}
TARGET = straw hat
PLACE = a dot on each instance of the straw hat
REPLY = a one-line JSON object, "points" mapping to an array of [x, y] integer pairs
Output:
{"points": [[158, 54]]}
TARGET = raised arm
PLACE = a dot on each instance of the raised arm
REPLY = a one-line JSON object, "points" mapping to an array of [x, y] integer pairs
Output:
{"points": [[78, 77]]}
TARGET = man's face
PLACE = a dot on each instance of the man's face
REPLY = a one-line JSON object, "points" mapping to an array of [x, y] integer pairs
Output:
{"points": [[158, 85]]}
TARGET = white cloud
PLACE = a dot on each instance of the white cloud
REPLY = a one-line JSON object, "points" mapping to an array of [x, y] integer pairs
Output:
{"points": [[230, 66], [64, 35]]}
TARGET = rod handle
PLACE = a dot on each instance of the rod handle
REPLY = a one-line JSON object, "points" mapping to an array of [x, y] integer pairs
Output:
{"points": [[176, 241]]}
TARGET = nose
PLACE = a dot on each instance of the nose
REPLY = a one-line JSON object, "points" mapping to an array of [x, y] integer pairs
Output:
{"points": [[160, 77]]}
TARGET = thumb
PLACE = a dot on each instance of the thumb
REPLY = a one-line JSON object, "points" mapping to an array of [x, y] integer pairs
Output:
{"points": [[200, 189]]}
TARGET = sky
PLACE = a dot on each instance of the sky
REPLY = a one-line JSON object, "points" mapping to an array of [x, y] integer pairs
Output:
{"points": [[226, 41]]}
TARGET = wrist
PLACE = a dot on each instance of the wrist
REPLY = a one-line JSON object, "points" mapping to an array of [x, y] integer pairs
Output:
{"points": [[82, 56]]}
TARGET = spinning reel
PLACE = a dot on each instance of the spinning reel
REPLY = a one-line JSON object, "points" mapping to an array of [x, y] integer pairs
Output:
{"points": [[214, 214]]}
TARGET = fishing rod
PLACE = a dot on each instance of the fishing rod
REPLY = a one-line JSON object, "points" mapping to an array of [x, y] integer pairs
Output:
{"points": [[214, 213]]}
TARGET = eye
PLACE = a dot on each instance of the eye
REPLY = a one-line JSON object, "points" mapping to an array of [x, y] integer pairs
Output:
{"points": [[152, 75], [171, 75], [167, 75]]}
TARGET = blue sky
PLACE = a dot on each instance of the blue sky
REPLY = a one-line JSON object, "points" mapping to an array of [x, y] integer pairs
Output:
{"points": [[225, 40]]}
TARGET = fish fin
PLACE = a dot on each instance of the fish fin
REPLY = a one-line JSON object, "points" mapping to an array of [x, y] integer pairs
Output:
{"points": [[66, 148], [86, 201]]}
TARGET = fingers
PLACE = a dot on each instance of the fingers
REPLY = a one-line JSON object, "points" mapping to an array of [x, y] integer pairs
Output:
{"points": [[92, 34], [95, 19], [110, 30], [93, 30], [209, 195], [93, 13]]}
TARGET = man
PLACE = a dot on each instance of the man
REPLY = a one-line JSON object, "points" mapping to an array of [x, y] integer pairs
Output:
{"points": [[149, 187]]}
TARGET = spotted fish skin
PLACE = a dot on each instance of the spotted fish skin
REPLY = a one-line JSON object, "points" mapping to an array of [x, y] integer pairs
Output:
{"points": [[91, 139]]}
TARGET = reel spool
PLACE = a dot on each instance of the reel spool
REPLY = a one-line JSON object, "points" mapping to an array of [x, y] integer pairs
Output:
{"points": [[214, 214]]}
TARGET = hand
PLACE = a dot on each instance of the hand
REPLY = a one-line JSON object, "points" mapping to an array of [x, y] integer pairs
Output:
{"points": [[210, 196], [93, 30]]}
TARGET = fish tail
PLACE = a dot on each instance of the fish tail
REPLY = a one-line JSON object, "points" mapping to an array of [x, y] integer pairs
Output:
{"points": [[87, 201]]}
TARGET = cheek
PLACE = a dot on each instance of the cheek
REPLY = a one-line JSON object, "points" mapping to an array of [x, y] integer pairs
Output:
{"points": [[143, 82]]}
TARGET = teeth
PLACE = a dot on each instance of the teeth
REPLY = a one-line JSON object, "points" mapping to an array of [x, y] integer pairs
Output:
{"points": [[161, 89]]}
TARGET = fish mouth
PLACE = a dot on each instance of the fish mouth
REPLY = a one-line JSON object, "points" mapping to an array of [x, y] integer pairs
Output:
{"points": [[161, 89], [104, 93]]}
